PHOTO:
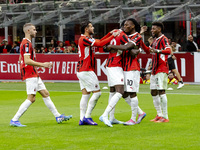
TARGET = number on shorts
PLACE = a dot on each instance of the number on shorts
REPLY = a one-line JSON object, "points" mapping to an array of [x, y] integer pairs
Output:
{"points": [[129, 82]]}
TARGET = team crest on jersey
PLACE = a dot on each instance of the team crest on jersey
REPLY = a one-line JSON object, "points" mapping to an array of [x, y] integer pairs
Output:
{"points": [[96, 86], [122, 79]]}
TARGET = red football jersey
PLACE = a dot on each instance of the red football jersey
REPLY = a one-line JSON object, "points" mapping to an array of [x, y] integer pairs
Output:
{"points": [[130, 62], [86, 53], [27, 71], [115, 59], [159, 60]]}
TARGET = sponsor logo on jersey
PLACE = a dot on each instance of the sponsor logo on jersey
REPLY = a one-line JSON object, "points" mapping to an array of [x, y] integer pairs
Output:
{"points": [[27, 50]]}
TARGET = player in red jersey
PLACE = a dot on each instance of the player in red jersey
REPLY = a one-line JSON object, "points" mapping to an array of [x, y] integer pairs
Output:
{"points": [[85, 71], [158, 81], [33, 81], [131, 68], [115, 77]]}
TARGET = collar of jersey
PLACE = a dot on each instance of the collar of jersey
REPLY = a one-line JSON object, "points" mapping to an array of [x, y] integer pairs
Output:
{"points": [[27, 39], [86, 36], [160, 36], [133, 34]]}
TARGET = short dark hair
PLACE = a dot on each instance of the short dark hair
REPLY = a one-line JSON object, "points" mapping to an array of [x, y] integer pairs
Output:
{"points": [[137, 26], [83, 26], [159, 24]]}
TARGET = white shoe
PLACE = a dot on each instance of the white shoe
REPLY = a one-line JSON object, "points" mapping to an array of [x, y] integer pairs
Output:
{"points": [[105, 121], [180, 85], [115, 121]]}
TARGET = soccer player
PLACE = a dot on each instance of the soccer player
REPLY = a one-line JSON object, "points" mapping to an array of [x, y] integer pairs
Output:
{"points": [[158, 81], [33, 81], [85, 71], [115, 77], [131, 68]]}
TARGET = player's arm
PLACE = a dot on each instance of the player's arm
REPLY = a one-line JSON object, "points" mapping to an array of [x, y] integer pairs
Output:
{"points": [[103, 42], [166, 51], [128, 46], [109, 34], [29, 61], [166, 48], [145, 48]]}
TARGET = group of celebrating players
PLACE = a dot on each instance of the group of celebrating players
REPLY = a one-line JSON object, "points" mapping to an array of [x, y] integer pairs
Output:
{"points": [[123, 73]]}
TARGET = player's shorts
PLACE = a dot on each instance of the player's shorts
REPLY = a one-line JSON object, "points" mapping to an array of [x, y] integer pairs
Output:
{"points": [[171, 63], [131, 81], [33, 85], [158, 81], [115, 76], [88, 80]]}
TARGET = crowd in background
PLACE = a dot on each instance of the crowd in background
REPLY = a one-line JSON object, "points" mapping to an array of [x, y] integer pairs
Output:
{"points": [[63, 47], [55, 47]]}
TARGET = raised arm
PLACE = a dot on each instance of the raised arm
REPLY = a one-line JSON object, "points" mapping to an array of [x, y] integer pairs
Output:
{"points": [[100, 43]]}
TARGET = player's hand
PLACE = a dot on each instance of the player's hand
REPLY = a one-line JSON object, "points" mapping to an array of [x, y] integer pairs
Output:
{"points": [[111, 32], [134, 52], [151, 50], [117, 33], [143, 29], [108, 48], [150, 40], [174, 57], [47, 65]]}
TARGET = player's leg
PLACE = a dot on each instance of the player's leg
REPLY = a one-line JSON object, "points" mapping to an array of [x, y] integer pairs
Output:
{"points": [[111, 94], [49, 103], [89, 83], [156, 97], [116, 79], [180, 81], [91, 104], [163, 98], [162, 81], [31, 89], [83, 105]]}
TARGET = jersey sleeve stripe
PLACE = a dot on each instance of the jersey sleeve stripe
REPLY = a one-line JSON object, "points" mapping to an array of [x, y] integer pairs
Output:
{"points": [[87, 42], [125, 39]]}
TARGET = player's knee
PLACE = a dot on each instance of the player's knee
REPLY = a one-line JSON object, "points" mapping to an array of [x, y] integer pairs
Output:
{"points": [[31, 98], [45, 94], [154, 92], [125, 95], [134, 94], [121, 91], [112, 89], [161, 92]]}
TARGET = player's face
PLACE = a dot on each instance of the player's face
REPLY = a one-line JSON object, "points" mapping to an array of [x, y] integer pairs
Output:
{"points": [[171, 76], [32, 31], [128, 26], [190, 38], [155, 30], [90, 29]]}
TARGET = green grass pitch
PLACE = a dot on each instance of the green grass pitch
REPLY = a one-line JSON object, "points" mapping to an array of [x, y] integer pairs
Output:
{"points": [[42, 131]]}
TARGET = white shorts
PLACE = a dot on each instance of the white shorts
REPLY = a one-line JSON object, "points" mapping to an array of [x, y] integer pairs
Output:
{"points": [[131, 81], [88, 80], [115, 76], [158, 81], [33, 85]]}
